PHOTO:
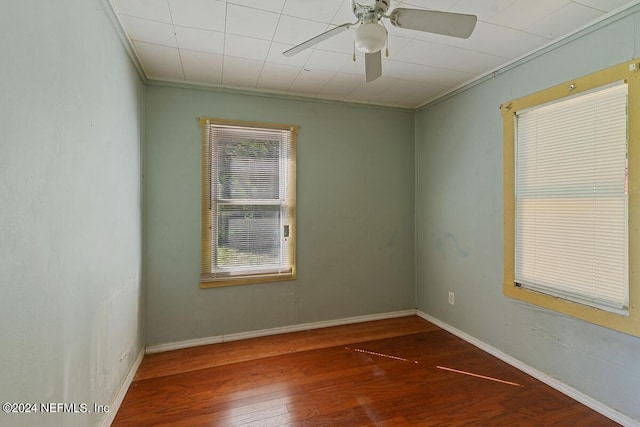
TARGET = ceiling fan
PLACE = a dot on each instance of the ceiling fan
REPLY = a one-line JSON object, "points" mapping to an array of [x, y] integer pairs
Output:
{"points": [[371, 35]]}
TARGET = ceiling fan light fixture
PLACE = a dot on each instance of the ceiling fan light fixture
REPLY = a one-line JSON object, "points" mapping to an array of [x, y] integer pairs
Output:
{"points": [[370, 37]]}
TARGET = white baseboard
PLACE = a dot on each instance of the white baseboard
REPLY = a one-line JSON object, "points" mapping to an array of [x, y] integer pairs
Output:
{"points": [[539, 375], [158, 348], [117, 401]]}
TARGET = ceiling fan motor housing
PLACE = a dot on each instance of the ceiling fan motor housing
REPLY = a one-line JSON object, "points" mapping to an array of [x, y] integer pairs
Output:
{"points": [[379, 9]]}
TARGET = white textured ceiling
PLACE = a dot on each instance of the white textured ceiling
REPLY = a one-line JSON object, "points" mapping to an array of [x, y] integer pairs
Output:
{"points": [[239, 43]]}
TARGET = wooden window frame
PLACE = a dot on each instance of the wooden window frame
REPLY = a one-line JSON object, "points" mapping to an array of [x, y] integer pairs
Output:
{"points": [[206, 229], [630, 73]]}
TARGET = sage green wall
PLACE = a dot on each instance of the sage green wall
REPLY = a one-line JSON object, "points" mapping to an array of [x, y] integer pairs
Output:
{"points": [[355, 190], [71, 110], [459, 225]]}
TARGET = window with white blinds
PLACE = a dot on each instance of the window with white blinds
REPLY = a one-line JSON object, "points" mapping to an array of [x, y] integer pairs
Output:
{"points": [[248, 212], [571, 198]]}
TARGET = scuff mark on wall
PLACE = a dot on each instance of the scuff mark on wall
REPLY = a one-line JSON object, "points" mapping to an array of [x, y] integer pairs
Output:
{"points": [[460, 251], [548, 335], [463, 253]]}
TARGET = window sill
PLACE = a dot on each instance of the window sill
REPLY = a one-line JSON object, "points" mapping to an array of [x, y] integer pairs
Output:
{"points": [[209, 283], [627, 324]]}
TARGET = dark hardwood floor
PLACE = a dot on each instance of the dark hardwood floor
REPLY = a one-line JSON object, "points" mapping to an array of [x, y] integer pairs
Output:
{"points": [[396, 372]]}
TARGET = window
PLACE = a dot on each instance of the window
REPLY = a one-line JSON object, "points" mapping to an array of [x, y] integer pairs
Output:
{"points": [[248, 203], [570, 234], [570, 198]]}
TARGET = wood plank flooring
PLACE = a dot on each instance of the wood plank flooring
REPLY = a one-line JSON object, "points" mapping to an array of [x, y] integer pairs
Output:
{"points": [[396, 372]]}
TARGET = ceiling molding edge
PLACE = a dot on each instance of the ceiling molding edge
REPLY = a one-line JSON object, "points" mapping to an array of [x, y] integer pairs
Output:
{"points": [[272, 94], [605, 20], [110, 11]]}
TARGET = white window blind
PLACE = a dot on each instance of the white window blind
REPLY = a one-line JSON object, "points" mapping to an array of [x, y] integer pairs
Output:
{"points": [[571, 199], [250, 212]]}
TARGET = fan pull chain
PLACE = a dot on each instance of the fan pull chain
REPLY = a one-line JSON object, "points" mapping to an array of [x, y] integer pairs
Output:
{"points": [[354, 51], [386, 45]]}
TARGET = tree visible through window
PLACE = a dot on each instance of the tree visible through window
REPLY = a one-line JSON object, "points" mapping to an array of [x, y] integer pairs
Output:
{"points": [[248, 203]]}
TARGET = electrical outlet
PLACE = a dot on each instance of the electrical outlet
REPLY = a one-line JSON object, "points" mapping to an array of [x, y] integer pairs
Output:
{"points": [[452, 298]]}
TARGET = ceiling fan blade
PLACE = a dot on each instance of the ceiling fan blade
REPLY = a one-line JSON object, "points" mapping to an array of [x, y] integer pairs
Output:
{"points": [[372, 66], [317, 39], [431, 21]]}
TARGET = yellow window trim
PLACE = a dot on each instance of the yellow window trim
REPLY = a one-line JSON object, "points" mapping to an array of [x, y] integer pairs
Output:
{"points": [[205, 234], [629, 72], [265, 125]]}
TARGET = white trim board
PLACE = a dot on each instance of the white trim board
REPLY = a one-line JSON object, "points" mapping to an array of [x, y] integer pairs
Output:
{"points": [[539, 375], [127, 44], [117, 400], [158, 348]]}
